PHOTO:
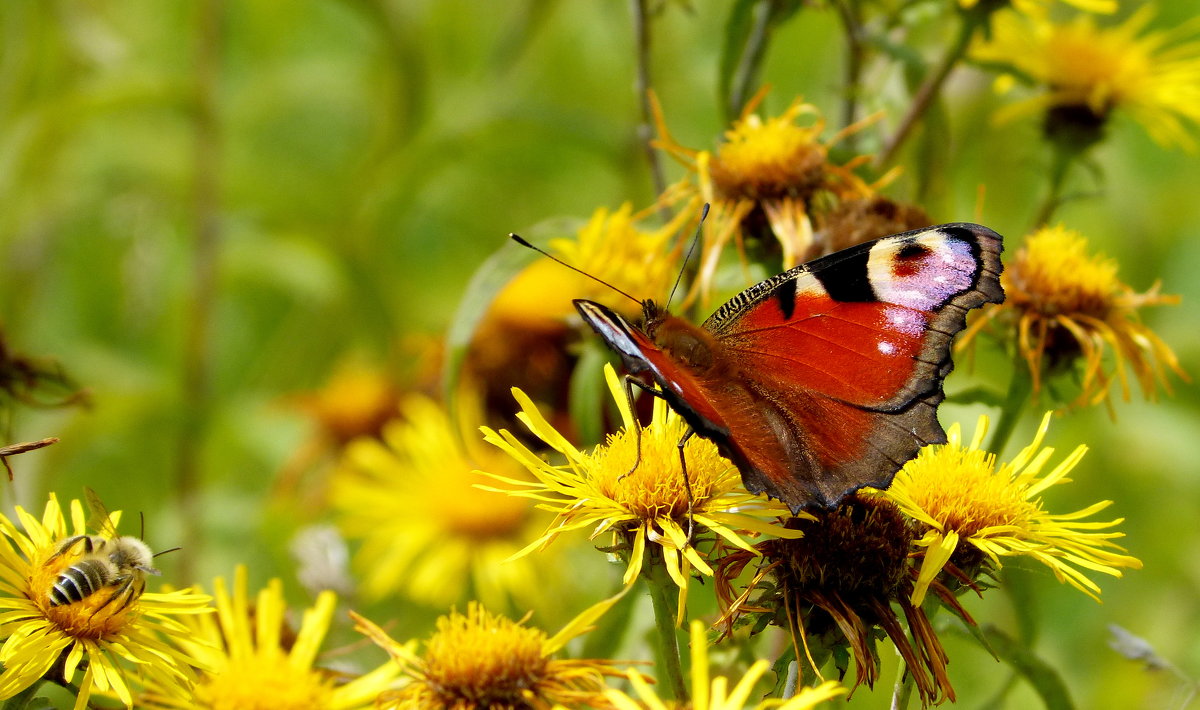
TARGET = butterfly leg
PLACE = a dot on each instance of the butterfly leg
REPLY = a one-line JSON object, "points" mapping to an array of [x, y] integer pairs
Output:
{"points": [[630, 381], [687, 484]]}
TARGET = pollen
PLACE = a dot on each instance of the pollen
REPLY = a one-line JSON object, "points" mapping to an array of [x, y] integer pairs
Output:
{"points": [[480, 659], [962, 490], [656, 487], [265, 682], [773, 158], [1053, 274]]}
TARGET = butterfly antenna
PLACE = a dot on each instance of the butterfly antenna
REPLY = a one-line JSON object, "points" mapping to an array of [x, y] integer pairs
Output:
{"points": [[691, 250], [519, 240]]}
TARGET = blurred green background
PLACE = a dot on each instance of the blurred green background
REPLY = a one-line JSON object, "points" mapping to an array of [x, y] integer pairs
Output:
{"points": [[364, 157]]}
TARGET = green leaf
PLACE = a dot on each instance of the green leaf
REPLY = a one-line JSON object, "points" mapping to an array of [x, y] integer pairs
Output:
{"points": [[1042, 677], [486, 283], [587, 404]]}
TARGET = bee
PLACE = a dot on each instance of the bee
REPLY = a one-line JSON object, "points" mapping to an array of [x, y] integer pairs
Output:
{"points": [[107, 561]]}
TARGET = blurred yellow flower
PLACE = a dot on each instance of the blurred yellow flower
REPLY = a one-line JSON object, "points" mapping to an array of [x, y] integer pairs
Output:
{"points": [[715, 693], [976, 512], [649, 505], [1066, 305], [766, 178], [1039, 6], [121, 635], [1089, 71], [254, 661], [427, 530], [484, 661]]}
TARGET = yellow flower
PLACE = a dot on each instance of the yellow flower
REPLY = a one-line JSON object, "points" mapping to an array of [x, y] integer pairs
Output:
{"points": [[1090, 71], [1039, 6], [715, 694], [597, 491], [1065, 304], [255, 662], [976, 512], [767, 177], [119, 634], [426, 529], [484, 661]]}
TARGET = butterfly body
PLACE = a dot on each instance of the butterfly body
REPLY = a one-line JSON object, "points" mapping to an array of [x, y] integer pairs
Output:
{"points": [[826, 378]]}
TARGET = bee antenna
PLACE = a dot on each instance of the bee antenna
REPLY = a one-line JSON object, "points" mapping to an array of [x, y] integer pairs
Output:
{"points": [[173, 549], [691, 250], [142, 520], [519, 240]]}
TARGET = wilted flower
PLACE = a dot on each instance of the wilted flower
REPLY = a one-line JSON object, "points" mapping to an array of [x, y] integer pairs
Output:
{"points": [[1066, 306], [836, 587]]}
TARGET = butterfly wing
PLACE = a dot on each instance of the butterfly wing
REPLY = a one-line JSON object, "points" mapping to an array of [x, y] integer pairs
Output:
{"points": [[844, 359]]}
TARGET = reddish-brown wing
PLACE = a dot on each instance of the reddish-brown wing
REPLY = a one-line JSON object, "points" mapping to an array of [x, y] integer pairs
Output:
{"points": [[842, 360]]}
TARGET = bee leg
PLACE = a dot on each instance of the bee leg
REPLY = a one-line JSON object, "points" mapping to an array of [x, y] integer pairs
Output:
{"points": [[69, 543], [126, 589]]}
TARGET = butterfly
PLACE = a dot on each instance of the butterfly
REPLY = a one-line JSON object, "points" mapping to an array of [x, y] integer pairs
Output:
{"points": [[826, 378]]}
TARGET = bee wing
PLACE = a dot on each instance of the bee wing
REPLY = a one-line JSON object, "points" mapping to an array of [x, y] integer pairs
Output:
{"points": [[102, 521]]}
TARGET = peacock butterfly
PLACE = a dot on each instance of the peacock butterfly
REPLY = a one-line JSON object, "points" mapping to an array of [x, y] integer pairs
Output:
{"points": [[826, 378]]}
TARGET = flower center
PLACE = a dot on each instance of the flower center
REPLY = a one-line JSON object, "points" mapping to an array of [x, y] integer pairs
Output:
{"points": [[773, 159], [961, 489], [859, 548], [264, 682], [656, 489], [1053, 274], [469, 512], [105, 611], [483, 660]]}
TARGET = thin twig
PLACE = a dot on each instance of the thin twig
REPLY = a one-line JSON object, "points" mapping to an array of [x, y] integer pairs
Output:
{"points": [[929, 90], [643, 85], [748, 63], [848, 11], [14, 449]]}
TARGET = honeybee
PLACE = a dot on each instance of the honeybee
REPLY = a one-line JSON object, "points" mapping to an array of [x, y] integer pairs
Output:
{"points": [[107, 561]]}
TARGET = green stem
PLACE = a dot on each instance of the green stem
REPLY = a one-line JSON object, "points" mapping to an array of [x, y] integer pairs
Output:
{"points": [[902, 691], [641, 33], [971, 20], [751, 59], [1020, 388], [850, 15], [1054, 190], [664, 597]]}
